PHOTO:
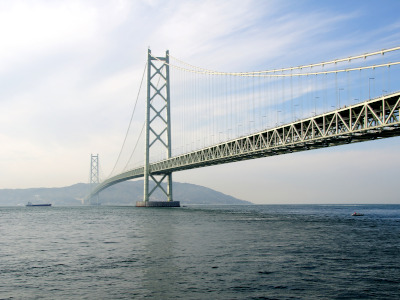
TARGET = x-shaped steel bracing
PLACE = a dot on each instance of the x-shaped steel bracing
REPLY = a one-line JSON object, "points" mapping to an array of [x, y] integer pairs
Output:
{"points": [[157, 108]]}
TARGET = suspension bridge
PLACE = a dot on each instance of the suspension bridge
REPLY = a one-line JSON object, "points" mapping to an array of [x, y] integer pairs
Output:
{"points": [[216, 117]]}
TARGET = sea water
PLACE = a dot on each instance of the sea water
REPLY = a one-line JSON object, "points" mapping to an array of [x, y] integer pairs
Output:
{"points": [[210, 252]]}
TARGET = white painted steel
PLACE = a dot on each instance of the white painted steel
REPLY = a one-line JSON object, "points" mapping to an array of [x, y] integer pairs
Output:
{"points": [[374, 119]]}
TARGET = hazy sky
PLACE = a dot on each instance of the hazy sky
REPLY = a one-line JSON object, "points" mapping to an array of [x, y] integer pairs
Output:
{"points": [[70, 70]]}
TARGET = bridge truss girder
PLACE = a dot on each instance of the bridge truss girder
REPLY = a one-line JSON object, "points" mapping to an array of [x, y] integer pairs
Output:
{"points": [[374, 119]]}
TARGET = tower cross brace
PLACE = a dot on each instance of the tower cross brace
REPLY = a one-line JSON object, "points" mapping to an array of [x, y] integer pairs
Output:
{"points": [[158, 126]]}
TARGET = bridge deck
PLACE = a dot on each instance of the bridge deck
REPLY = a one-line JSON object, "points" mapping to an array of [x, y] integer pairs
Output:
{"points": [[374, 119]]}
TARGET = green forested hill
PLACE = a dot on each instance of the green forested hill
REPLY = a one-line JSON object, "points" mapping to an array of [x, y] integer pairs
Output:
{"points": [[125, 193]]}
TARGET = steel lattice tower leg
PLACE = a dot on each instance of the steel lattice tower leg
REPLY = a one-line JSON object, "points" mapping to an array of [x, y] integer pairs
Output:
{"points": [[158, 122], [94, 176]]}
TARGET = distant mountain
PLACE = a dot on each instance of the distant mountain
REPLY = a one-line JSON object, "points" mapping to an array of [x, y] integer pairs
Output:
{"points": [[124, 193]]}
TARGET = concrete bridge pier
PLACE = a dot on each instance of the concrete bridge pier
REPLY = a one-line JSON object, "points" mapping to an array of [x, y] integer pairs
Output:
{"points": [[158, 204]]}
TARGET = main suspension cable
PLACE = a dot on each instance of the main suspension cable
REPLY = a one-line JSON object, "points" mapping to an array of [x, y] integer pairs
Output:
{"points": [[382, 52], [134, 149], [266, 73], [130, 122]]}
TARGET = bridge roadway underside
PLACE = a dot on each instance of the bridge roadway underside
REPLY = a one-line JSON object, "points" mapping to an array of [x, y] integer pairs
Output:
{"points": [[374, 119]]}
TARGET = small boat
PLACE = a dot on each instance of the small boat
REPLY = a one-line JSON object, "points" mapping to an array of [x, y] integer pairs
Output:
{"points": [[356, 214], [30, 204]]}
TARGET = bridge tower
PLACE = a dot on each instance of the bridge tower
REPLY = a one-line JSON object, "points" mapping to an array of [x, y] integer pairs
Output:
{"points": [[94, 178], [158, 128]]}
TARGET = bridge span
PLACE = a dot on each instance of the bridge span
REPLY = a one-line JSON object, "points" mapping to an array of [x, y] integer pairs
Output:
{"points": [[373, 119], [223, 117]]}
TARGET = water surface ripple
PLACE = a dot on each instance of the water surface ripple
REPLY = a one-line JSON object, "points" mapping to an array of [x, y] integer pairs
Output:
{"points": [[238, 252]]}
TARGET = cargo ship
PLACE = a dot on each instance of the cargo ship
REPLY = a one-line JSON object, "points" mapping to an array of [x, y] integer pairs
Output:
{"points": [[30, 204]]}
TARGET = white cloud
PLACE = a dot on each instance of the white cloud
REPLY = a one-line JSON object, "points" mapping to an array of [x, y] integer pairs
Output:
{"points": [[29, 30]]}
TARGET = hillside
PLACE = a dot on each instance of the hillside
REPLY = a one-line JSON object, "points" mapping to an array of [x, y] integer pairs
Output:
{"points": [[125, 193]]}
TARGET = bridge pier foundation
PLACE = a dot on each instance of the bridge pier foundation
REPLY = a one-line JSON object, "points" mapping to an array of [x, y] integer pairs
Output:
{"points": [[158, 204]]}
